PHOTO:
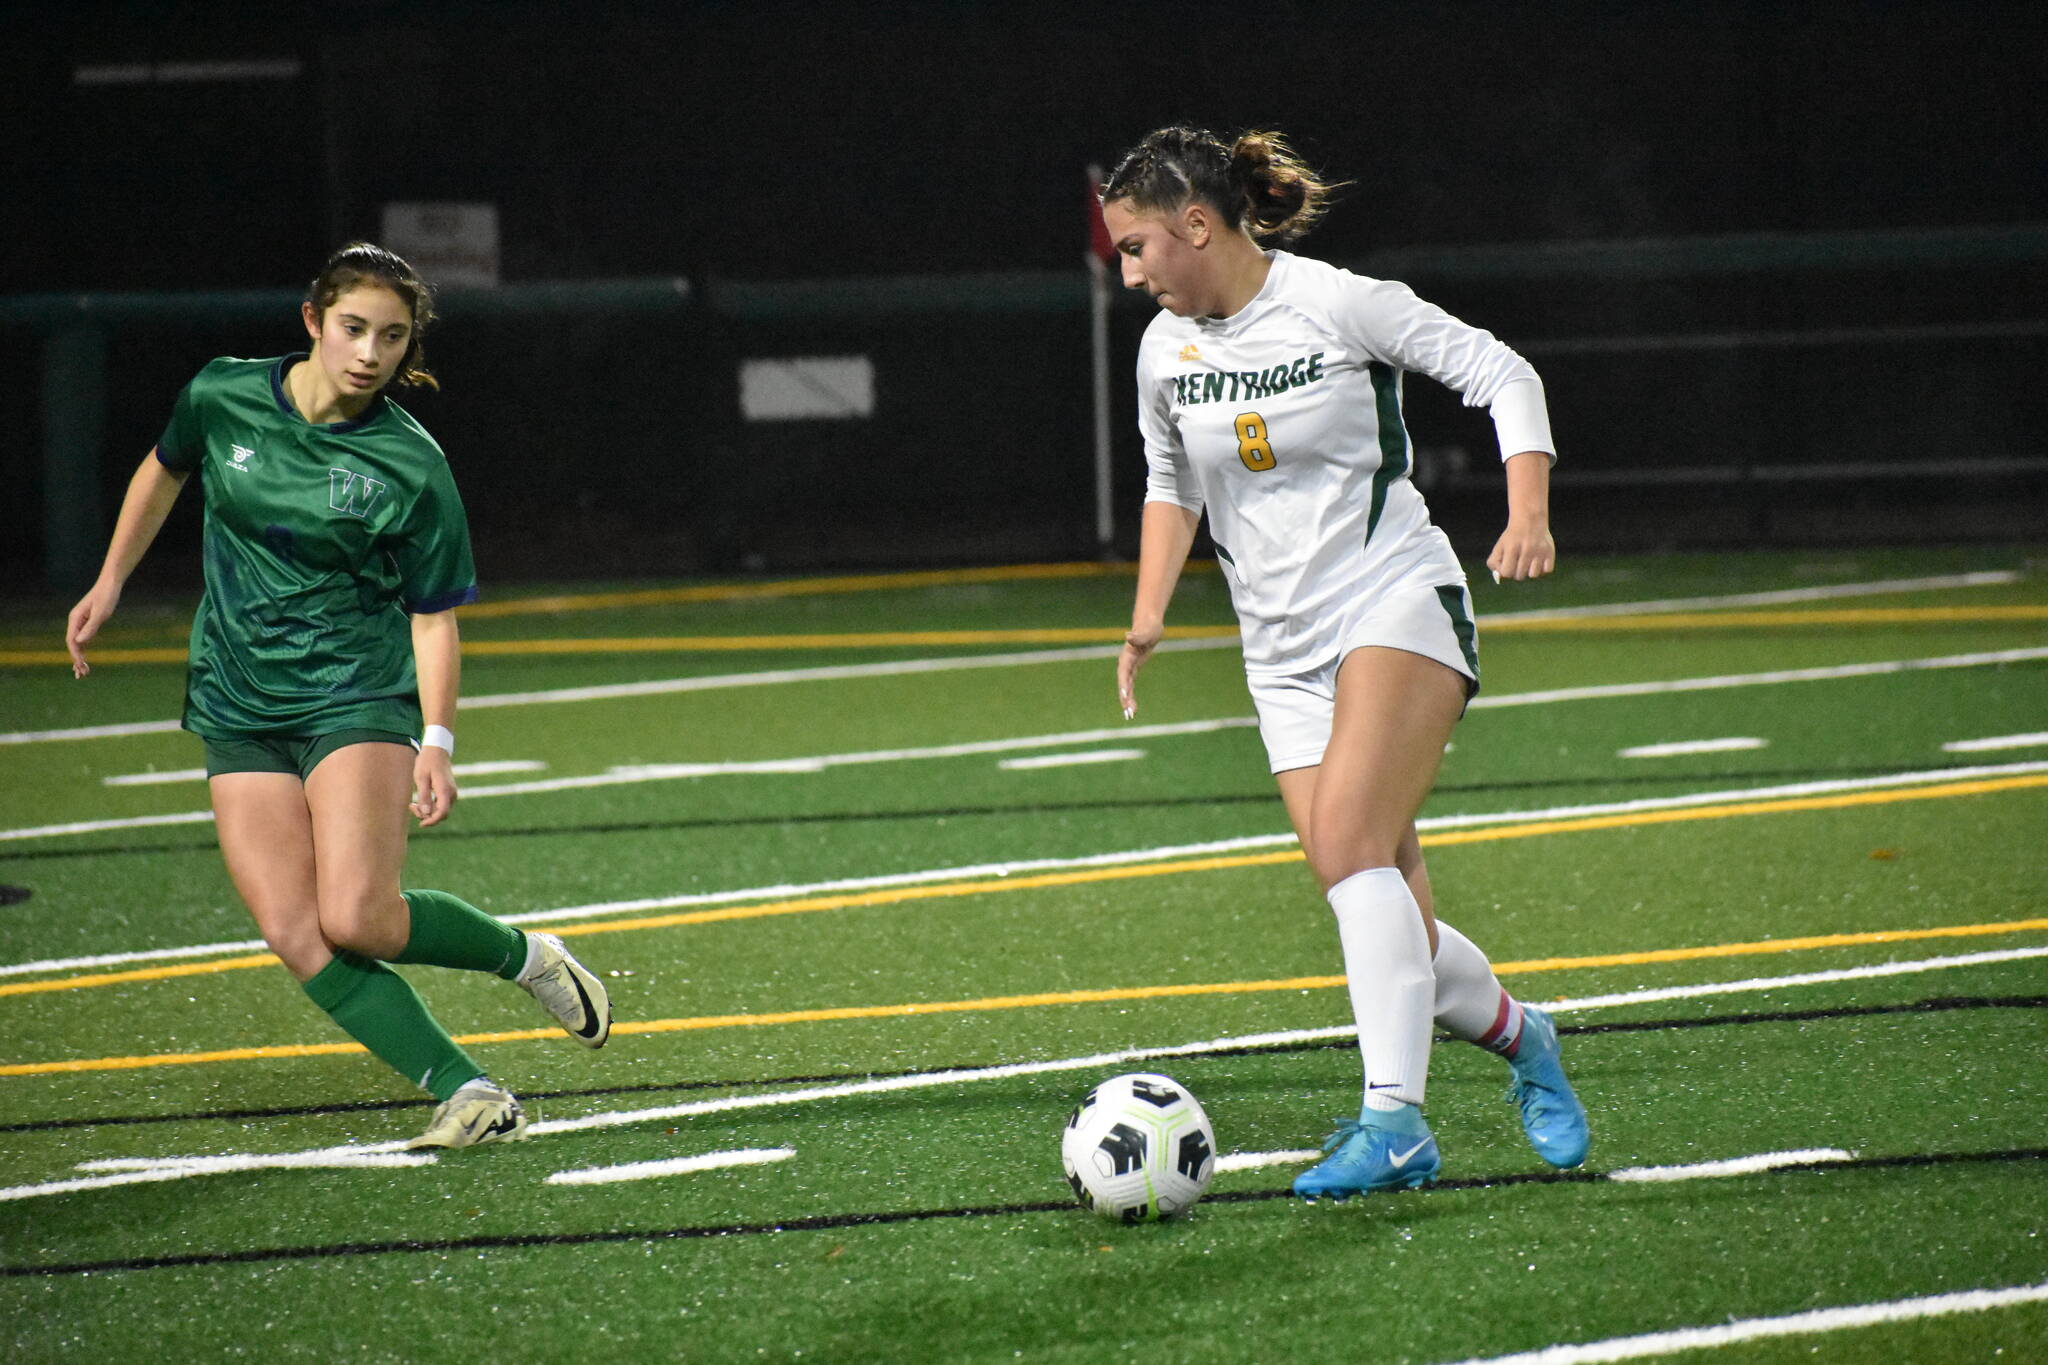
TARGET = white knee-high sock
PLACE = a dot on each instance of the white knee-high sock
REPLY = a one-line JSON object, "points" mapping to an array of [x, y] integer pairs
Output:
{"points": [[1393, 990], [1471, 1004]]}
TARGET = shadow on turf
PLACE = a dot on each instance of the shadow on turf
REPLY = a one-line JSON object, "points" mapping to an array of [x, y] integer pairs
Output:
{"points": [[841, 1221], [1258, 798], [1932, 1005]]}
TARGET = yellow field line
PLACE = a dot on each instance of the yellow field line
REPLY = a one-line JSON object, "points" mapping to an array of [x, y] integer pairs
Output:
{"points": [[1048, 998], [873, 639], [703, 644], [1080, 876], [796, 587], [902, 639]]}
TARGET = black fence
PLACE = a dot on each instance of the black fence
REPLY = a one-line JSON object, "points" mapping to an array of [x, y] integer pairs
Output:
{"points": [[1839, 388]]}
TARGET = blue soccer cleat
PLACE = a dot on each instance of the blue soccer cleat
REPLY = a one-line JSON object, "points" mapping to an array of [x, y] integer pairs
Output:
{"points": [[1379, 1150], [1551, 1114]]}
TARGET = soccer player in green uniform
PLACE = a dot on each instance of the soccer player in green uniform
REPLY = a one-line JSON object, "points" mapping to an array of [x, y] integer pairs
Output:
{"points": [[325, 663]]}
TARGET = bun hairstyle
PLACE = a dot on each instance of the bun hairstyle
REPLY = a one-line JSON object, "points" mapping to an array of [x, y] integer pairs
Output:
{"points": [[1256, 182], [361, 263]]}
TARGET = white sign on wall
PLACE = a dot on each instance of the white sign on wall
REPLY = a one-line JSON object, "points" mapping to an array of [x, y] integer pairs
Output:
{"points": [[807, 387], [449, 244]]}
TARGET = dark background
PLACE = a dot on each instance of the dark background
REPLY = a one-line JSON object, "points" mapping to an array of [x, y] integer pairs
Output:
{"points": [[770, 142]]}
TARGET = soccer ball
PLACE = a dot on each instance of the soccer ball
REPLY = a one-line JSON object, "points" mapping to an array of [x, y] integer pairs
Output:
{"points": [[1137, 1148]]}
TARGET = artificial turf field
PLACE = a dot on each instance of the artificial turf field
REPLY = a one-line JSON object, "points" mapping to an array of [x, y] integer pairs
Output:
{"points": [[841, 934]]}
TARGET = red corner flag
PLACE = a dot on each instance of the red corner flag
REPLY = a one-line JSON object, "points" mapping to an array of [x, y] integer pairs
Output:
{"points": [[1099, 245]]}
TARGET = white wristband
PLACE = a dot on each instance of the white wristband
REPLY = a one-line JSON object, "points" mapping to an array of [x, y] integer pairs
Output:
{"points": [[439, 737]]}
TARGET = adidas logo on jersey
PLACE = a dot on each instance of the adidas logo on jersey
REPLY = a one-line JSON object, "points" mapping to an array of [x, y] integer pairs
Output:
{"points": [[1190, 352]]}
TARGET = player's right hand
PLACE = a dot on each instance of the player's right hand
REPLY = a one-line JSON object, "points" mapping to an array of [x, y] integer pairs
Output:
{"points": [[87, 617], [1138, 647]]}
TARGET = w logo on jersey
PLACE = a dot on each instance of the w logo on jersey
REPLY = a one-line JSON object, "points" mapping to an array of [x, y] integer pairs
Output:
{"points": [[353, 493]]}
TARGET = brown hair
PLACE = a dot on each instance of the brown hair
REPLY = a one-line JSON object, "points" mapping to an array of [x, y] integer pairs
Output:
{"points": [[1256, 181], [361, 263]]}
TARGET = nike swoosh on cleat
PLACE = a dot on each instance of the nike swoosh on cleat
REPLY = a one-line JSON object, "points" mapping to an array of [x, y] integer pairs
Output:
{"points": [[590, 1020], [1397, 1162]]}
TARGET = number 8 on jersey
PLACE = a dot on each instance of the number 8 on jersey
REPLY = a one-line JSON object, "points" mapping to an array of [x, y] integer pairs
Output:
{"points": [[1253, 446]]}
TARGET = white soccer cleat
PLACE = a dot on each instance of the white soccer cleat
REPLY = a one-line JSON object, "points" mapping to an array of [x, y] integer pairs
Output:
{"points": [[481, 1111], [567, 990]]}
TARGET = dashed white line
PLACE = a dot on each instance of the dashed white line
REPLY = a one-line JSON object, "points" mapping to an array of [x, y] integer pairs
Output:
{"points": [[1252, 1161], [1703, 1170], [683, 1165], [143, 1172], [1987, 579], [486, 768], [1673, 748], [1743, 1165], [1755, 1329], [1987, 659], [1070, 760], [665, 772], [1978, 746], [152, 779]]}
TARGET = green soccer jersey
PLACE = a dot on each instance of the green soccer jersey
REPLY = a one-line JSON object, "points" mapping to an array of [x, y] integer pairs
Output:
{"points": [[319, 541]]}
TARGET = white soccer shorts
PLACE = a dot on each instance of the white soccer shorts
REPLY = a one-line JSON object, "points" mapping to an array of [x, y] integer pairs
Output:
{"points": [[1295, 709]]}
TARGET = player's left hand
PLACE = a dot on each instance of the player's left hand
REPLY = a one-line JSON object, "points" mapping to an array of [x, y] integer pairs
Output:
{"points": [[1524, 550], [433, 785]]}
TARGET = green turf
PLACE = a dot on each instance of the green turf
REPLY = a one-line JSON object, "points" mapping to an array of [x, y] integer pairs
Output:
{"points": [[688, 1267]]}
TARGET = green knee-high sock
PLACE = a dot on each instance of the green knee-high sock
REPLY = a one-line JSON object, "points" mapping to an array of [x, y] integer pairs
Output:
{"points": [[375, 1006], [447, 931]]}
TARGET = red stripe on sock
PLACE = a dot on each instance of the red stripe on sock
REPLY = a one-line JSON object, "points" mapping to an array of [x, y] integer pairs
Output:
{"points": [[1496, 1038]]}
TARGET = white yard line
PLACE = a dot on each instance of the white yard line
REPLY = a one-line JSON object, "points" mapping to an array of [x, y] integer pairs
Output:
{"points": [[1741, 1165], [667, 772], [1161, 853], [1757, 1329], [320, 1158], [1252, 1161], [1677, 747], [485, 769], [152, 779], [897, 668], [150, 1172], [1069, 760], [682, 1165], [1987, 579], [1831, 673], [1703, 1170], [1978, 746], [710, 683]]}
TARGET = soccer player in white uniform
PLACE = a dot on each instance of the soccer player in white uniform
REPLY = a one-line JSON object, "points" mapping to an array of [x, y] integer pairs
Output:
{"points": [[1269, 396]]}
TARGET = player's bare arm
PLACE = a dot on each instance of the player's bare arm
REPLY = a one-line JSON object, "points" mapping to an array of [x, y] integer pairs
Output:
{"points": [[1525, 550], [143, 509], [1164, 537], [437, 660]]}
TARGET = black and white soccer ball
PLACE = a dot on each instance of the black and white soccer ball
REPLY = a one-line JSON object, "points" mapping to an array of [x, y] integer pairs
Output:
{"points": [[1139, 1147]]}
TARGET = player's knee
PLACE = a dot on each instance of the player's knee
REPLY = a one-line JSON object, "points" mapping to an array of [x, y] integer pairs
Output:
{"points": [[361, 922], [1333, 864], [300, 946]]}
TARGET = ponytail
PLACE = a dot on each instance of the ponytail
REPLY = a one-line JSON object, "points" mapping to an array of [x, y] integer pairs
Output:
{"points": [[1282, 197], [1256, 182]]}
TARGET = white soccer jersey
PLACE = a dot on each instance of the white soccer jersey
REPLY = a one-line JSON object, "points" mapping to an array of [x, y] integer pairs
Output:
{"points": [[1284, 422]]}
